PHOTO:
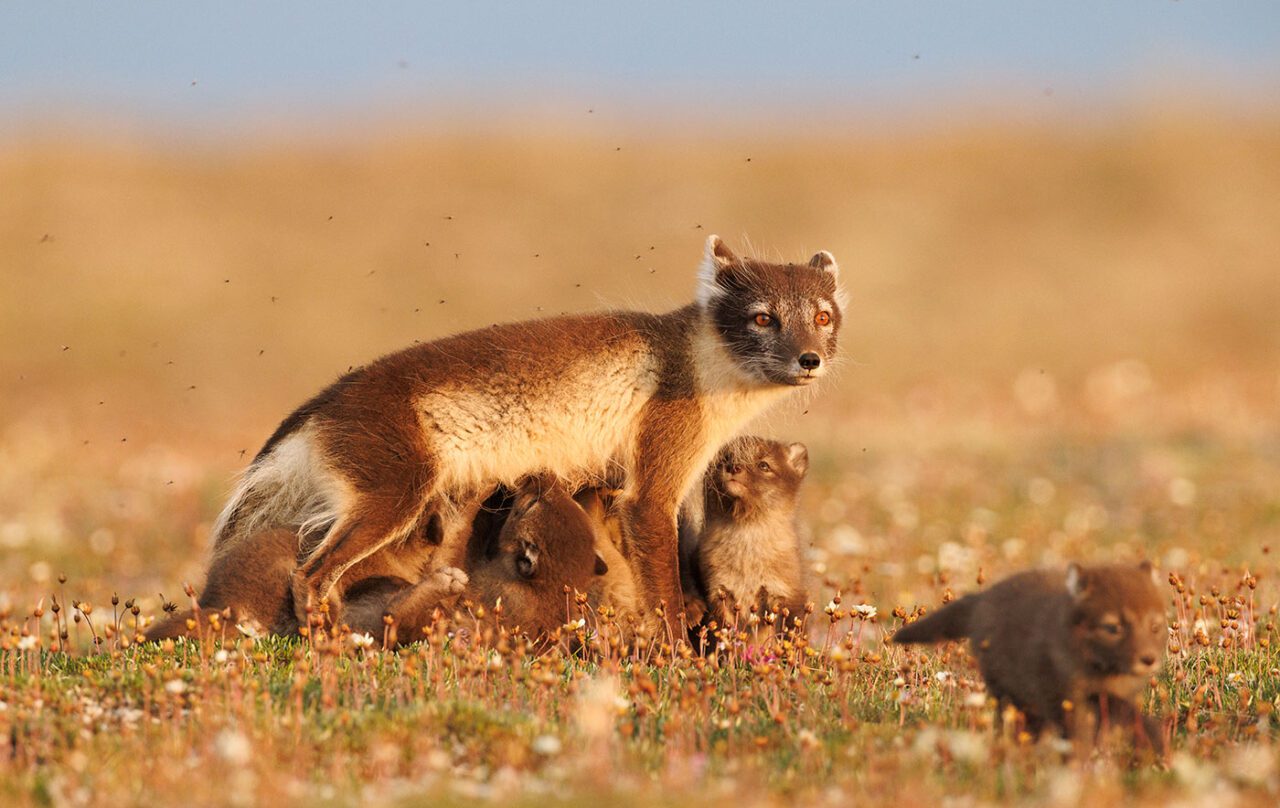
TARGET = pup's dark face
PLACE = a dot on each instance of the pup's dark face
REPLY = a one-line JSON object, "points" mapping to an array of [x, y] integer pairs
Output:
{"points": [[547, 543], [761, 474], [778, 321], [1118, 625]]}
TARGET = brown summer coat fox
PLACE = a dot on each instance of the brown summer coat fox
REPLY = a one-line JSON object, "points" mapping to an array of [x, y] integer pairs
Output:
{"points": [[1090, 637], [645, 397]]}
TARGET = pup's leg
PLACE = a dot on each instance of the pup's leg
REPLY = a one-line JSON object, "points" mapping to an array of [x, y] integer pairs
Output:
{"points": [[410, 607]]}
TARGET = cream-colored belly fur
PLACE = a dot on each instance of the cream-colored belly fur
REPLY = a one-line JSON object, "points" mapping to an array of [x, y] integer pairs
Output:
{"points": [[741, 558], [580, 422]]}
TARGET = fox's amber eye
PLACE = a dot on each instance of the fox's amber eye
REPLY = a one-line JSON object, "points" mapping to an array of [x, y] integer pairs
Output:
{"points": [[823, 318], [763, 320], [765, 467]]}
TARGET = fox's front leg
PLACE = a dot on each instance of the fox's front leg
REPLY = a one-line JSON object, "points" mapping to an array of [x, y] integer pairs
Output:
{"points": [[651, 542], [666, 460]]}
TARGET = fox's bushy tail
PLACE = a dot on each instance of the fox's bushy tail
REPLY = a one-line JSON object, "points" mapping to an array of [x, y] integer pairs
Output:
{"points": [[951, 622], [288, 484]]}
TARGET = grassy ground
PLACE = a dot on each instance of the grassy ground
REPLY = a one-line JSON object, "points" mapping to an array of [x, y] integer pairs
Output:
{"points": [[1062, 346]]}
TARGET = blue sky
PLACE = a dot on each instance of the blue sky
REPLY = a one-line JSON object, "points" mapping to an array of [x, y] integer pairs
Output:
{"points": [[235, 63]]}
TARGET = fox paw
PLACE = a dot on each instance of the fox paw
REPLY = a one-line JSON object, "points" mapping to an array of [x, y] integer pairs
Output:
{"points": [[695, 608], [450, 580]]}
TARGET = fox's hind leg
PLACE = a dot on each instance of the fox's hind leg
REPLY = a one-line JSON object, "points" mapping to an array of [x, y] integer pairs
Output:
{"points": [[371, 525]]}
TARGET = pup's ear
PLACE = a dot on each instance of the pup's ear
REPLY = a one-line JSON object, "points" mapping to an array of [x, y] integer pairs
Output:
{"points": [[716, 259], [601, 567], [798, 457], [1077, 581], [1150, 569], [826, 262], [591, 500]]}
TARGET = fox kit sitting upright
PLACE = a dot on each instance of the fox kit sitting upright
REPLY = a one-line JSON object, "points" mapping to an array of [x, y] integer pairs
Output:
{"points": [[1090, 636], [748, 552], [651, 394]]}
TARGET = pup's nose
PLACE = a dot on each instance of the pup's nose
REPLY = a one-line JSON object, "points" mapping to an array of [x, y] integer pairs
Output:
{"points": [[733, 468], [810, 361], [1148, 659]]}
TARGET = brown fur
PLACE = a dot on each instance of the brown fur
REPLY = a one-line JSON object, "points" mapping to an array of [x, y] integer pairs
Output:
{"points": [[538, 523], [254, 588], [650, 396], [1091, 636], [749, 552], [615, 590]]}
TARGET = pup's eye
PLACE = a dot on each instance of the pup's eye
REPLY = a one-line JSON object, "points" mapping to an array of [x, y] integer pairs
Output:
{"points": [[1112, 629], [763, 320], [765, 467], [823, 318]]}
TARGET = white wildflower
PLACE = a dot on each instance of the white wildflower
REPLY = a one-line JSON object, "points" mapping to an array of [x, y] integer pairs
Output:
{"points": [[546, 745], [359, 640], [233, 747]]}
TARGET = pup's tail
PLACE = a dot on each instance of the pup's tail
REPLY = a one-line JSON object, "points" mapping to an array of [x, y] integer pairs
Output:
{"points": [[171, 627], [951, 622]]}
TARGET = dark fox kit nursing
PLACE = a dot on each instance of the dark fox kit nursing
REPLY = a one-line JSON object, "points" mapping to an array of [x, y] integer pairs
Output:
{"points": [[522, 555], [521, 547], [749, 550], [651, 396], [1090, 637]]}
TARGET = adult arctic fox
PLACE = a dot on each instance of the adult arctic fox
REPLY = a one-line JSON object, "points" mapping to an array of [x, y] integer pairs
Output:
{"points": [[645, 397]]}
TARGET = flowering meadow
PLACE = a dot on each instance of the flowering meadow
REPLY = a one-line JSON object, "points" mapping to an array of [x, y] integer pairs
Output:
{"points": [[1057, 349]]}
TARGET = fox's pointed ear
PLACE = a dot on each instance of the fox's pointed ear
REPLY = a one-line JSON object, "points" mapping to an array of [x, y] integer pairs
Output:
{"points": [[1077, 581], [826, 262], [591, 500], [601, 567], [716, 259], [719, 254], [798, 457]]}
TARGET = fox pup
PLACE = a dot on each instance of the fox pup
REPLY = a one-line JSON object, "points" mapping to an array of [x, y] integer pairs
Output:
{"points": [[651, 395], [524, 560], [1091, 636], [616, 589], [748, 551], [502, 545], [253, 583]]}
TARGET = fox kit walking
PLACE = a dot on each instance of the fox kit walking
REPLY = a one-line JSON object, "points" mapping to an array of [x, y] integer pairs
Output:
{"points": [[749, 550], [588, 396], [1090, 636]]}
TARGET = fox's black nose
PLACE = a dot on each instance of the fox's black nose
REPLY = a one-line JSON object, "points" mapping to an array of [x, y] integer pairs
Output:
{"points": [[1148, 659], [733, 468], [810, 361]]}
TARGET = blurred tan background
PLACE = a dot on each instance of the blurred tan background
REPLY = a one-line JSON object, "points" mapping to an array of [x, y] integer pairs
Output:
{"points": [[197, 297]]}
